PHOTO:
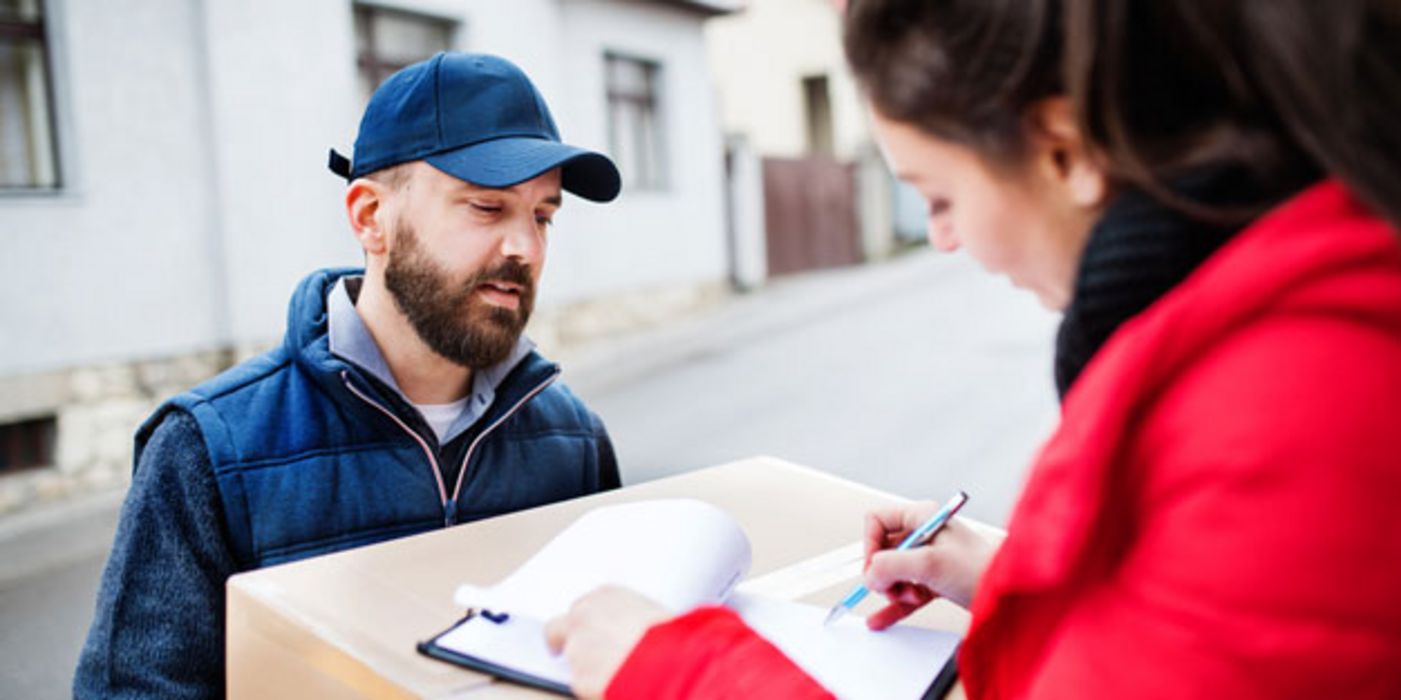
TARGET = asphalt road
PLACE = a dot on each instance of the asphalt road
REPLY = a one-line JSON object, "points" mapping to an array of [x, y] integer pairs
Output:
{"points": [[918, 376]]}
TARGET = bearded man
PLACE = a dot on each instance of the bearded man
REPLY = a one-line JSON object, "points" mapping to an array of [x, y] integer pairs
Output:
{"points": [[404, 397]]}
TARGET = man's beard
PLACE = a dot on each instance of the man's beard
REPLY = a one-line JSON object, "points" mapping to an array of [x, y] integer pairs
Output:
{"points": [[451, 319]]}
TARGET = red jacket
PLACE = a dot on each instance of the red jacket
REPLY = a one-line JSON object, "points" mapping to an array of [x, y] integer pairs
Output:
{"points": [[1217, 514]]}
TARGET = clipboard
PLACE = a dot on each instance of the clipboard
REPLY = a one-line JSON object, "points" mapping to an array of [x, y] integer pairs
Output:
{"points": [[681, 553], [938, 688], [432, 649]]}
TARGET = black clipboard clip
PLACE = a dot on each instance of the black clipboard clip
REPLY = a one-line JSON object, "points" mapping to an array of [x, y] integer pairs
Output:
{"points": [[494, 617]]}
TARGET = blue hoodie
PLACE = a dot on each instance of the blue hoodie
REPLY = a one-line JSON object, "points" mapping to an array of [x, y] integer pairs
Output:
{"points": [[298, 453]]}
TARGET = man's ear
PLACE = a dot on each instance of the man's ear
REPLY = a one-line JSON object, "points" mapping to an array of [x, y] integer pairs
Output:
{"points": [[365, 202], [1062, 155]]}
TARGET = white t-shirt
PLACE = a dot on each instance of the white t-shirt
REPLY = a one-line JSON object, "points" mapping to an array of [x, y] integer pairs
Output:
{"points": [[440, 416]]}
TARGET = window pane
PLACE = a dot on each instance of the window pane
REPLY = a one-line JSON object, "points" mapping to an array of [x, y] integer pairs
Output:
{"points": [[817, 107], [20, 10], [649, 149], [634, 127], [628, 77], [26, 144], [387, 40], [620, 142], [27, 444], [362, 30], [405, 38]]}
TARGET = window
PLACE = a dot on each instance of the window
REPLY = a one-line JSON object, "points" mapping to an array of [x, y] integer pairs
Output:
{"points": [[634, 122], [28, 153], [387, 40], [817, 106], [27, 444]]}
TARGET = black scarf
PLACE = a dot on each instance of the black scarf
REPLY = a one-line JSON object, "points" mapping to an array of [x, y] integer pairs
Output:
{"points": [[1139, 250]]}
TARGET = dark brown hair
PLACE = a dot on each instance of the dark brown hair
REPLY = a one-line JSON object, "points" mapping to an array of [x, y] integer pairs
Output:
{"points": [[395, 177], [1277, 89], [1271, 87], [963, 70]]}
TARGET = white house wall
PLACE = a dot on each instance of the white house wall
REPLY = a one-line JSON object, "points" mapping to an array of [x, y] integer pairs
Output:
{"points": [[283, 90], [528, 32], [120, 263]]}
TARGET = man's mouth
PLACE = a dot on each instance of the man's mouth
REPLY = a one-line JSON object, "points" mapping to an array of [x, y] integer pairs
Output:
{"points": [[499, 293], [505, 287]]}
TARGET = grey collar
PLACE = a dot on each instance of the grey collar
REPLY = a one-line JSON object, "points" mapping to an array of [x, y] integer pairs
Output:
{"points": [[351, 341]]}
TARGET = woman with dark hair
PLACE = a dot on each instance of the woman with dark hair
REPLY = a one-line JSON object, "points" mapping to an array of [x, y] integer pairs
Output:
{"points": [[1211, 192]]}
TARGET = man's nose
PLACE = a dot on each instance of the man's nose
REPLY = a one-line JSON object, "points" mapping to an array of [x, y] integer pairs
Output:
{"points": [[524, 240]]}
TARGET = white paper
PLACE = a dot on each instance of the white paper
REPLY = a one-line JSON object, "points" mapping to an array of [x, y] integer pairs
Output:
{"points": [[678, 552], [845, 657]]}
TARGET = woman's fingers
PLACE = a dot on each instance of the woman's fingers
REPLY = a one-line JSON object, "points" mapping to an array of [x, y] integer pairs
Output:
{"points": [[598, 633], [890, 615], [890, 567], [556, 632], [911, 594], [887, 527]]}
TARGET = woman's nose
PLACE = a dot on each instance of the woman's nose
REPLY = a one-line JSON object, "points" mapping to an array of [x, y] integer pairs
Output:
{"points": [[941, 236]]}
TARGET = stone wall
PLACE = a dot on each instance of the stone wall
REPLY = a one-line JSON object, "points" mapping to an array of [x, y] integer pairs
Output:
{"points": [[97, 409]]}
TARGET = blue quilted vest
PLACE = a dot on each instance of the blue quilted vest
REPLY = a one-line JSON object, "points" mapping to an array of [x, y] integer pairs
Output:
{"points": [[311, 456]]}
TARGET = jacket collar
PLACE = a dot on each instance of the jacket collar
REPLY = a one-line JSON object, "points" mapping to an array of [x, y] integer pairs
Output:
{"points": [[327, 338], [1137, 251], [1140, 249], [350, 339]]}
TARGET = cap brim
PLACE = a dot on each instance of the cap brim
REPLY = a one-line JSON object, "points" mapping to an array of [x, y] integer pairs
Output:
{"points": [[508, 161]]}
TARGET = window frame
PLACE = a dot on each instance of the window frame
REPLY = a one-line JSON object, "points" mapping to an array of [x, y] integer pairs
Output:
{"points": [[652, 101], [19, 438], [371, 58], [38, 30]]}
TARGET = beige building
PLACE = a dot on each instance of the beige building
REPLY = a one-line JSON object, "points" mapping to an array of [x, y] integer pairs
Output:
{"points": [[787, 98]]}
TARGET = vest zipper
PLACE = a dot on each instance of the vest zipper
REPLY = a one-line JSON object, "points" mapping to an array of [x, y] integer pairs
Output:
{"points": [[462, 473], [427, 451]]}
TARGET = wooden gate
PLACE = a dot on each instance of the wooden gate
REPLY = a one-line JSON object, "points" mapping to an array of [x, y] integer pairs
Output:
{"points": [[809, 214]]}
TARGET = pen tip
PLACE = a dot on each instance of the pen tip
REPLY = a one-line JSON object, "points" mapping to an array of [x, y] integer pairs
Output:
{"points": [[833, 615]]}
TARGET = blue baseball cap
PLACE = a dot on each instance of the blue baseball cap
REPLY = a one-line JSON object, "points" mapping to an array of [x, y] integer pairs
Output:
{"points": [[476, 117]]}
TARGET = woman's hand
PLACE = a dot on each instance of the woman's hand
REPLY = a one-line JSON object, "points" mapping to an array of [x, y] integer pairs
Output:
{"points": [[599, 632], [950, 566]]}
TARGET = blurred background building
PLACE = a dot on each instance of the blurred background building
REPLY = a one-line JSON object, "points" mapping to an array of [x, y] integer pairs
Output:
{"points": [[162, 181], [788, 101]]}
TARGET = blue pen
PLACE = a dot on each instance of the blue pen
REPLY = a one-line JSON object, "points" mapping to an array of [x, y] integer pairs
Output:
{"points": [[921, 536]]}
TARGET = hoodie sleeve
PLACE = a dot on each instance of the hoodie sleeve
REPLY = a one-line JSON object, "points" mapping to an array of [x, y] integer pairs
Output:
{"points": [[158, 630], [709, 653]]}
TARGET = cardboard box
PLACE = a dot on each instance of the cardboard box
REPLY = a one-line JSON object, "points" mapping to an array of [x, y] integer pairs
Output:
{"points": [[345, 625]]}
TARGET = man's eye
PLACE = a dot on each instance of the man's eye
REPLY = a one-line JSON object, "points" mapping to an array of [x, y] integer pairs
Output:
{"points": [[544, 220], [486, 208]]}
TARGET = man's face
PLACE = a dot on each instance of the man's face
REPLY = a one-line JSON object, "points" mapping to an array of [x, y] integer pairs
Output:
{"points": [[464, 261]]}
